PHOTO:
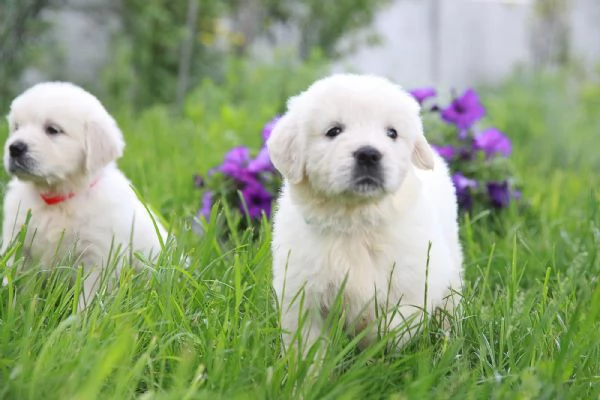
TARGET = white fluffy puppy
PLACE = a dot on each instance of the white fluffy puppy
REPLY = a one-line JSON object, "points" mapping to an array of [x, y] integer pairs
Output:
{"points": [[61, 152], [364, 196]]}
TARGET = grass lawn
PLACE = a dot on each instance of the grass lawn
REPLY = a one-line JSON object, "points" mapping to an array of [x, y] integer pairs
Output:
{"points": [[531, 322]]}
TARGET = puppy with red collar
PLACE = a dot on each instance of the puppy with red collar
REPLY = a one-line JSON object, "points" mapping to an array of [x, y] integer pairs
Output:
{"points": [[61, 154]]}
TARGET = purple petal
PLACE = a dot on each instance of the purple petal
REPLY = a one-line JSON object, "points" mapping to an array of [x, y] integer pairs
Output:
{"points": [[266, 133], [236, 163], [463, 186], [262, 162], [238, 155], [499, 193], [257, 200], [464, 111], [423, 94], [461, 182], [207, 202], [237, 172], [446, 152], [464, 200], [492, 141]]}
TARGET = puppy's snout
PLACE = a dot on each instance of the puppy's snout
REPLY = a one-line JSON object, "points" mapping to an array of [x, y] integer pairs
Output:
{"points": [[367, 156], [17, 149]]}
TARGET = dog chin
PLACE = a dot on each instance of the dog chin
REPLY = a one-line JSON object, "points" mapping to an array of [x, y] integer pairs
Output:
{"points": [[27, 176], [24, 172], [17, 168], [367, 187]]}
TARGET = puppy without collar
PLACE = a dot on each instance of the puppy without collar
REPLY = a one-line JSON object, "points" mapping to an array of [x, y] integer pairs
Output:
{"points": [[363, 198], [61, 153]]}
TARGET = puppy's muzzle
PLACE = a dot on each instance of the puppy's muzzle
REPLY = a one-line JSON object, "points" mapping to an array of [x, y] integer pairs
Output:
{"points": [[17, 149], [367, 157], [367, 172], [19, 160]]}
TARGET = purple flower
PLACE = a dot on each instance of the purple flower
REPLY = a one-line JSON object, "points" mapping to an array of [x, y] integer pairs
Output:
{"points": [[464, 111], [235, 164], [262, 162], [461, 182], [238, 172], [423, 94], [269, 127], [499, 193], [238, 155], [257, 199], [463, 186], [492, 141], [446, 152], [207, 201]]}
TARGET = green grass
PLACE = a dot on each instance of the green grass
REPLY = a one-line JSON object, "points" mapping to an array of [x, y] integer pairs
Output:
{"points": [[531, 321]]}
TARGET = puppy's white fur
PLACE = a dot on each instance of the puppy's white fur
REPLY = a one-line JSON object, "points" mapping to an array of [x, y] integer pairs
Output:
{"points": [[103, 215], [332, 234]]}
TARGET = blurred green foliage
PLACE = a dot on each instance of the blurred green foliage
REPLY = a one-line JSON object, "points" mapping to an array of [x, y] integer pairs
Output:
{"points": [[590, 95], [164, 48], [323, 24], [147, 51], [146, 67], [21, 38], [544, 114]]}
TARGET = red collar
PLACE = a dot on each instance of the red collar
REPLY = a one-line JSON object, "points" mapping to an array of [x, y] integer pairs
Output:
{"points": [[51, 199]]}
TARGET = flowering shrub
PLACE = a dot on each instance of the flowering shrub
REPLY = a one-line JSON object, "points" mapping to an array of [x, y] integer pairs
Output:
{"points": [[249, 184], [478, 158], [478, 161]]}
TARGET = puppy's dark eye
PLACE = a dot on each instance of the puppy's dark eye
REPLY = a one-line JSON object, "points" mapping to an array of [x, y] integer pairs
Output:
{"points": [[52, 130], [333, 132], [391, 132]]}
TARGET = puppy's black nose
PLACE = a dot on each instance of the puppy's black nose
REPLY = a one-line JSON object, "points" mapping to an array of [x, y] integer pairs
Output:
{"points": [[17, 149], [367, 156]]}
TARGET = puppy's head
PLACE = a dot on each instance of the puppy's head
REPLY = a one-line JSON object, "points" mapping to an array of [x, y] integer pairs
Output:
{"points": [[59, 132], [353, 135]]}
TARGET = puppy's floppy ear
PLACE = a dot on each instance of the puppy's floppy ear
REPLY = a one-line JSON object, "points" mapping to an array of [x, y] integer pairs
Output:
{"points": [[422, 156], [103, 142], [285, 148]]}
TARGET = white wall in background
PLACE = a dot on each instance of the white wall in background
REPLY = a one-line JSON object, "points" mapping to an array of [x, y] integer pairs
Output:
{"points": [[480, 41]]}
